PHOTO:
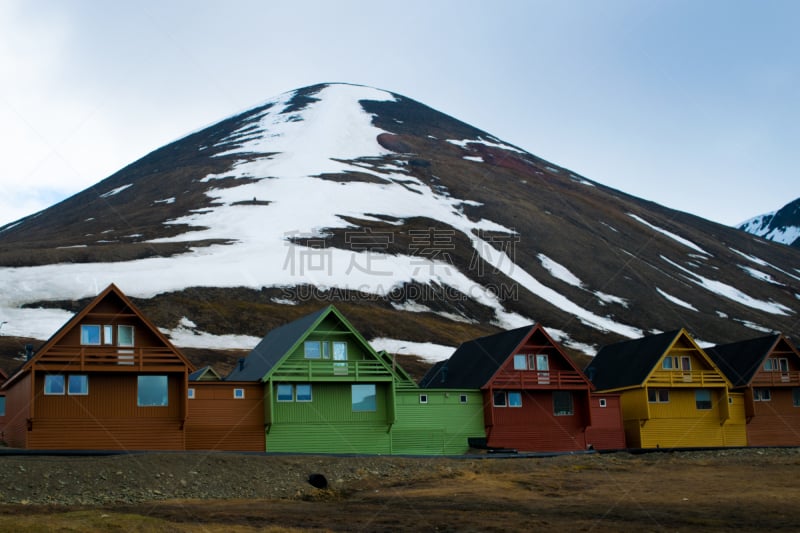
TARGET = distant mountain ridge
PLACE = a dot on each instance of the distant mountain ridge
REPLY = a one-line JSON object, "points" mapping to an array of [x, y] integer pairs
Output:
{"points": [[424, 230], [781, 226]]}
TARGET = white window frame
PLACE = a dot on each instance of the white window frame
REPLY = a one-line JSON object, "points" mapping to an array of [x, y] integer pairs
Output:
{"points": [[306, 346], [238, 393], [499, 394], [84, 339], [423, 398], [602, 402], [659, 395], [69, 383], [52, 377], [762, 394], [463, 398], [298, 395], [520, 362], [284, 386], [120, 329], [190, 393], [108, 334], [514, 399]]}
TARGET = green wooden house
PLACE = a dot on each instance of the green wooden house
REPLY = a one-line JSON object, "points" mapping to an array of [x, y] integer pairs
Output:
{"points": [[326, 390]]}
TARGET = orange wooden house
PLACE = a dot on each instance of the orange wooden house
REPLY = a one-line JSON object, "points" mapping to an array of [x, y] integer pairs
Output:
{"points": [[767, 371], [535, 397], [108, 379]]}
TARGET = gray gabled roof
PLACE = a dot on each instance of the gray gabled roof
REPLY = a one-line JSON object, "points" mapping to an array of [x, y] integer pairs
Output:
{"points": [[628, 363], [272, 348], [474, 363], [741, 360]]}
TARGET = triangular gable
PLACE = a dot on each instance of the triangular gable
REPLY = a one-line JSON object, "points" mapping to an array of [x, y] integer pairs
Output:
{"points": [[267, 357], [684, 337], [205, 374], [476, 363], [111, 291], [742, 360], [630, 364]]}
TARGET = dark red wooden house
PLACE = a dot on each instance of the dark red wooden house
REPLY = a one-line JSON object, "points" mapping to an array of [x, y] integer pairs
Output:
{"points": [[535, 397], [767, 370]]}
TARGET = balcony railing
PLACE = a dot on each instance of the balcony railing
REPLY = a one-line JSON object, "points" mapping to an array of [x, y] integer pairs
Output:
{"points": [[691, 378], [328, 370], [108, 358], [533, 379], [787, 379]]}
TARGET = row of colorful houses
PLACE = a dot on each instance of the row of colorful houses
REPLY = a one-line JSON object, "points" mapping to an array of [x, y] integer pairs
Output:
{"points": [[110, 380]]}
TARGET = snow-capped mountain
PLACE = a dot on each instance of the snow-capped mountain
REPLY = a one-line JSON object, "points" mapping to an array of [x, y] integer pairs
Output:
{"points": [[426, 231], [781, 226]]}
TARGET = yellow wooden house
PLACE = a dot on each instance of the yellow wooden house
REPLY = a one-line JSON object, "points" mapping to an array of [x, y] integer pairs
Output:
{"points": [[672, 393]]}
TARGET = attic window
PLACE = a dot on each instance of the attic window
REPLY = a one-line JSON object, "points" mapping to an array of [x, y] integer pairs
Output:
{"points": [[312, 350], [124, 335], [90, 334], [520, 362]]}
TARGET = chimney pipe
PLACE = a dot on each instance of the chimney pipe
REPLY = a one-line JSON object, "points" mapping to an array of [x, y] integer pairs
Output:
{"points": [[241, 363], [28, 352]]}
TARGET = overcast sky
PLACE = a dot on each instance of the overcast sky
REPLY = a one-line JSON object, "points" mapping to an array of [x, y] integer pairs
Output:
{"points": [[691, 104]]}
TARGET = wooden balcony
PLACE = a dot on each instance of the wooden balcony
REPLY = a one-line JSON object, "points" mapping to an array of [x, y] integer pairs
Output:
{"points": [[777, 379], [327, 370], [692, 378], [533, 379], [109, 359]]}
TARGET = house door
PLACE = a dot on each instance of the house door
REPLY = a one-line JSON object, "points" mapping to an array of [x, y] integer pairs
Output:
{"points": [[543, 367], [340, 358], [686, 368]]}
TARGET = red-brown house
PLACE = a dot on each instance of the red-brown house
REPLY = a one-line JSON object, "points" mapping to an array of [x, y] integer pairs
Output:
{"points": [[108, 379], [767, 371], [535, 397]]}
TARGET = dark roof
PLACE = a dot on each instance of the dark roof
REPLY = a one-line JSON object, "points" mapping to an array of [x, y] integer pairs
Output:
{"points": [[474, 363], [628, 363], [272, 348], [741, 360]]}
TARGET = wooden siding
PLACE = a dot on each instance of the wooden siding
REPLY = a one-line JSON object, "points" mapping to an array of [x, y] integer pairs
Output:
{"points": [[775, 422], [679, 424], [606, 431], [107, 417], [321, 437], [440, 426], [218, 421], [534, 427], [18, 399]]}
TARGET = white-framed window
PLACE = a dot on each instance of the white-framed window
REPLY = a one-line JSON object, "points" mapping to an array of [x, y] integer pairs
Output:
{"points": [[54, 384], [238, 394], [78, 385], [515, 399], [669, 363], [783, 363], [326, 350], [364, 398], [702, 399], [562, 403], [499, 399], [603, 402], [796, 397], [190, 393], [285, 392], [770, 364], [686, 363], [90, 334], [124, 335], [312, 350], [520, 362], [658, 395], [463, 398], [152, 391], [762, 395], [108, 334], [303, 392], [423, 398]]}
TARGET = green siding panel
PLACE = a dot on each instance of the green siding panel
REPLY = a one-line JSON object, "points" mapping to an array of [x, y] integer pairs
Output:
{"points": [[329, 438]]}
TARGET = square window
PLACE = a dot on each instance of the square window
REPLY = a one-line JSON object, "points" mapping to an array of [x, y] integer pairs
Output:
{"points": [[603, 402], [515, 399], [78, 385], [499, 399], [2, 406], [90, 335], [663, 396], [124, 335], [312, 350], [464, 398], [666, 363], [423, 398], [54, 384], [152, 391], [304, 392], [702, 399], [562, 403], [768, 365], [762, 395], [363, 398], [285, 392], [190, 393], [238, 394], [520, 362]]}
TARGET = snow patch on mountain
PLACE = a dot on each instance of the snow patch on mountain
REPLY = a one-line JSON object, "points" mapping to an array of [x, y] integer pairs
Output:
{"points": [[429, 351], [676, 238], [676, 300]]}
